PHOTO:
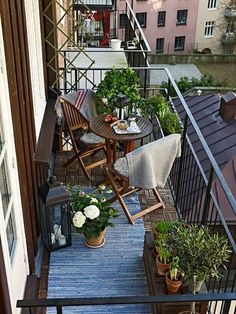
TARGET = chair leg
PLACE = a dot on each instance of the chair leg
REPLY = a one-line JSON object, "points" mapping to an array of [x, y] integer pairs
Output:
{"points": [[119, 197]]}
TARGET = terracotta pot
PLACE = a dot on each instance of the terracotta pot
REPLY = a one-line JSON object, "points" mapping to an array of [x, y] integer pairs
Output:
{"points": [[156, 233], [96, 242], [173, 285], [162, 268]]}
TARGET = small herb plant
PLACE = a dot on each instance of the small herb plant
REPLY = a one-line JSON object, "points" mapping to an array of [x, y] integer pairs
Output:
{"points": [[164, 249], [162, 226], [175, 269]]}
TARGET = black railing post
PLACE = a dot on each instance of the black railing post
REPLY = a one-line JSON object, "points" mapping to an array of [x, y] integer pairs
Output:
{"points": [[226, 307], [181, 159], [168, 89], [207, 197], [59, 309]]}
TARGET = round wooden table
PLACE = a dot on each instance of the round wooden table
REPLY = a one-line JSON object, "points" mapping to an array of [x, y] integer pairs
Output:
{"points": [[103, 129]]}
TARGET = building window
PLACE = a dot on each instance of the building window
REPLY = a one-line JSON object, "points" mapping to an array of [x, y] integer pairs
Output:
{"points": [[142, 19], [123, 18], [209, 28], [211, 4], [161, 19], [181, 18], [179, 43], [160, 45]]}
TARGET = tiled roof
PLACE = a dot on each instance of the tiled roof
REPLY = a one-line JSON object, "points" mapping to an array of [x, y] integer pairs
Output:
{"points": [[220, 135]]}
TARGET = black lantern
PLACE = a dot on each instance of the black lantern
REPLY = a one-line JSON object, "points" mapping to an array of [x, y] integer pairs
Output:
{"points": [[120, 101], [55, 218]]}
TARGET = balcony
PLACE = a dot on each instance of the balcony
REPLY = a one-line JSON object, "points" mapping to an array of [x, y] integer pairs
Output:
{"points": [[229, 38], [230, 12], [190, 191]]}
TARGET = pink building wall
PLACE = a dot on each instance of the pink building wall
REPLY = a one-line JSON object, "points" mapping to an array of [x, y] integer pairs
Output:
{"points": [[170, 30]]}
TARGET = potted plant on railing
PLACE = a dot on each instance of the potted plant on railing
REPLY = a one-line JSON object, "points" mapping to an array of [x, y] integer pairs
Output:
{"points": [[91, 214], [201, 253], [164, 257], [174, 276], [117, 81]]}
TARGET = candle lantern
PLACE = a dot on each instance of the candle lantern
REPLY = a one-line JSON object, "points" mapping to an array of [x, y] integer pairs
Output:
{"points": [[120, 101], [55, 217]]}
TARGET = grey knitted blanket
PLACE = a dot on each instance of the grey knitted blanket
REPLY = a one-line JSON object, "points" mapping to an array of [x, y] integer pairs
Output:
{"points": [[150, 165], [83, 100]]}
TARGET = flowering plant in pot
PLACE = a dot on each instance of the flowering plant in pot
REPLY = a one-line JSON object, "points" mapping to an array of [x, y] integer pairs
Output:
{"points": [[91, 214]]}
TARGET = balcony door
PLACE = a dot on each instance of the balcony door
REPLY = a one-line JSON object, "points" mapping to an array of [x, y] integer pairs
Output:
{"points": [[12, 234]]}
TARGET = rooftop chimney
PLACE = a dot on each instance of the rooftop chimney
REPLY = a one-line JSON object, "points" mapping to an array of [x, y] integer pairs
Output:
{"points": [[228, 106]]}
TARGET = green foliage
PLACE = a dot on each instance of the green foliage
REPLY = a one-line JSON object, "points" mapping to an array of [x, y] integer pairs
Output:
{"points": [[164, 248], [170, 122], [91, 227], [157, 105], [124, 81], [162, 226], [201, 253], [175, 269], [185, 84]]}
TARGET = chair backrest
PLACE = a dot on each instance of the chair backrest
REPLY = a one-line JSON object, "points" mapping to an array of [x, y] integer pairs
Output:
{"points": [[75, 123]]}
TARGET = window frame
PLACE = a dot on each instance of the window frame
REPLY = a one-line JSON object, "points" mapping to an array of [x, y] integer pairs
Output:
{"points": [[209, 29], [181, 20], [123, 18], [179, 48], [162, 41], [160, 18], [212, 4], [144, 25]]}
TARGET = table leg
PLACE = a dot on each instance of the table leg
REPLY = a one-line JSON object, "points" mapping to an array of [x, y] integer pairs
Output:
{"points": [[114, 151], [129, 146]]}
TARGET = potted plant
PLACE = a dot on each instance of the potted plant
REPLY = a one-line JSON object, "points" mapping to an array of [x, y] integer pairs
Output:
{"points": [[170, 122], [117, 81], [201, 254], [91, 214], [164, 257], [174, 276], [160, 227]]}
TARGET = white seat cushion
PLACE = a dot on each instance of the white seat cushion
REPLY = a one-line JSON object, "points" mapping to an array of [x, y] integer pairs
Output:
{"points": [[121, 166], [91, 138]]}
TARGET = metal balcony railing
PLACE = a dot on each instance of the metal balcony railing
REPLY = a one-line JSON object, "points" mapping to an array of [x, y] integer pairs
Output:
{"points": [[192, 188], [229, 38], [230, 11]]}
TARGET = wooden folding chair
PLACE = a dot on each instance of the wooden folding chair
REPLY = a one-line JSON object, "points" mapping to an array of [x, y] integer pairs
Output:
{"points": [[84, 144], [120, 184]]}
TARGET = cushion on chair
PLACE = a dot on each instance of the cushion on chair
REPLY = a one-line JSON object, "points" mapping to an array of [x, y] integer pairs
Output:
{"points": [[121, 166], [91, 138]]}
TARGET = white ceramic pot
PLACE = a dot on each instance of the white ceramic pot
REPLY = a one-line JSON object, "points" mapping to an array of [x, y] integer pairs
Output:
{"points": [[115, 44]]}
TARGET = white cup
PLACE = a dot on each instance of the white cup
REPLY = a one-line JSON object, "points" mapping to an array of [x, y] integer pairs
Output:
{"points": [[62, 240]]}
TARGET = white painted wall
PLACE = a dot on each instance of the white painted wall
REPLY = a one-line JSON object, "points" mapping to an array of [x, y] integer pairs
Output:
{"points": [[36, 61]]}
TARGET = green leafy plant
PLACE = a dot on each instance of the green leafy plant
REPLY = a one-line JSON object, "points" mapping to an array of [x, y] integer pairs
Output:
{"points": [[170, 122], [164, 249], [157, 105], [175, 269], [91, 211], [184, 84], [162, 226], [116, 81], [201, 254]]}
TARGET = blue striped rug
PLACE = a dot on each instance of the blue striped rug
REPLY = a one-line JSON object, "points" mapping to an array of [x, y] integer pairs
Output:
{"points": [[116, 269]]}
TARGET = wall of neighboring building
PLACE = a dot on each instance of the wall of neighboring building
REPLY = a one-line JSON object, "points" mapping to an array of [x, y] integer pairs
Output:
{"points": [[211, 43], [171, 30]]}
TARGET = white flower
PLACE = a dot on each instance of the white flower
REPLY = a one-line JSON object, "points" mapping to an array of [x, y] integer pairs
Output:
{"points": [[79, 219], [103, 199], [109, 191], [93, 200], [91, 211], [102, 187]]}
